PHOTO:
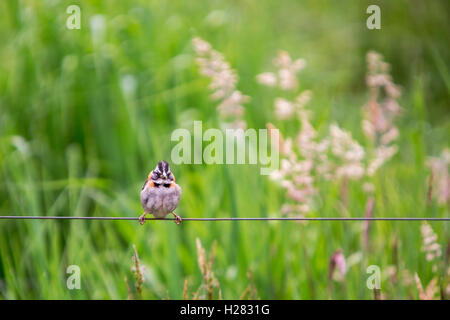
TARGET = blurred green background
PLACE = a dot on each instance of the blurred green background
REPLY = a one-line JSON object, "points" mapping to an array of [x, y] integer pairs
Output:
{"points": [[86, 114]]}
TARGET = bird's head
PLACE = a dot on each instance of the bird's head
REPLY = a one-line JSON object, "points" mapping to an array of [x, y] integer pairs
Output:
{"points": [[162, 174]]}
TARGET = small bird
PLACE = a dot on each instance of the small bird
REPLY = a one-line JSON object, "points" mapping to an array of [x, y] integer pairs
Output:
{"points": [[160, 194]]}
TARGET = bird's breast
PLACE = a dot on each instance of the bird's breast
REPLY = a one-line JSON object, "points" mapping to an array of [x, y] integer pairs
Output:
{"points": [[160, 200]]}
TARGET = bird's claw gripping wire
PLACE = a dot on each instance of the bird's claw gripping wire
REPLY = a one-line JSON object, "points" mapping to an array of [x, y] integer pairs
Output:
{"points": [[177, 218], [142, 218]]}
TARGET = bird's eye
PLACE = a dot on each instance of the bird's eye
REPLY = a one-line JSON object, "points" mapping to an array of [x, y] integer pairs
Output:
{"points": [[167, 185], [156, 184]]}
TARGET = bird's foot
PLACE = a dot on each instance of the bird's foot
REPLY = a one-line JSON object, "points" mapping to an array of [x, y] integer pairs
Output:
{"points": [[142, 218], [177, 218]]}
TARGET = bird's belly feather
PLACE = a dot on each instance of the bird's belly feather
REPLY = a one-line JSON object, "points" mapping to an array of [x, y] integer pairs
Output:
{"points": [[160, 201]]}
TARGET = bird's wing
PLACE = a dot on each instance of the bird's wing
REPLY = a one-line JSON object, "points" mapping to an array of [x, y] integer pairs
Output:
{"points": [[145, 183]]}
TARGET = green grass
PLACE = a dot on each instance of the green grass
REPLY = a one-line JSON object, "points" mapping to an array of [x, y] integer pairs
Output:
{"points": [[71, 143]]}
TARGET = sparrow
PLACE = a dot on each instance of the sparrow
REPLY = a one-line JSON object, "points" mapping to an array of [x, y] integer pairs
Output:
{"points": [[160, 194]]}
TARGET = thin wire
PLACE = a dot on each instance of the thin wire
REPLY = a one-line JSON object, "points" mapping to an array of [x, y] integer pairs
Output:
{"points": [[228, 219]]}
